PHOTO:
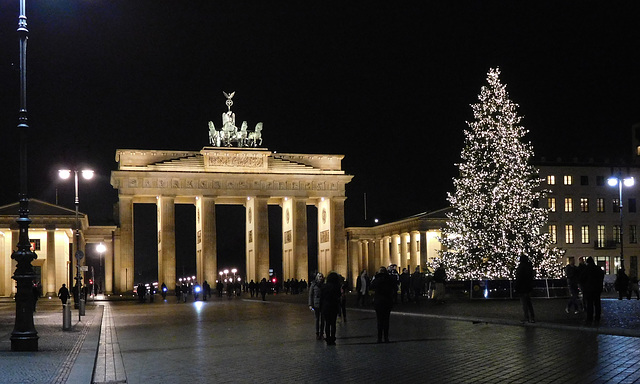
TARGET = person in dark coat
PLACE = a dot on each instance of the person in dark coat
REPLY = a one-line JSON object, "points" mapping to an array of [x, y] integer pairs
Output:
{"points": [[405, 282], [264, 287], [384, 287], [592, 279], [362, 288], [417, 284], [330, 306], [36, 294], [524, 287], [622, 283], [63, 294]]}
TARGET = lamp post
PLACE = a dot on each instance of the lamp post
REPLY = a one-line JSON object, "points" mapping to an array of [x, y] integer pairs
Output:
{"points": [[619, 181], [24, 336], [87, 174]]}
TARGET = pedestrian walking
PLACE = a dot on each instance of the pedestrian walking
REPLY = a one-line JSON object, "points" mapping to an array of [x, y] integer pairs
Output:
{"points": [[314, 303], [264, 287], [622, 283], [384, 287], [405, 282], [633, 288], [417, 284], [344, 289], [178, 292], [592, 279], [571, 272], [36, 294], [362, 288], [63, 294], [330, 306], [524, 287], [439, 278]]}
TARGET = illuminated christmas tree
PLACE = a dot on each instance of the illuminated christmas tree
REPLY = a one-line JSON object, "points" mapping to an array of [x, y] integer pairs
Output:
{"points": [[495, 216]]}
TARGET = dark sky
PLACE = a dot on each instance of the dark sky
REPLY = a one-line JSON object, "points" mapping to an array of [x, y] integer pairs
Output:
{"points": [[388, 86]]}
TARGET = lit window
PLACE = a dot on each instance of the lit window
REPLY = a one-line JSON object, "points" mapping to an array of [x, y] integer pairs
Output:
{"points": [[584, 204], [616, 234], [633, 234], [601, 235], [568, 204], [568, 179], [553, 234], [600, 204], [552, 204], [568, 233], [585, 234], [551, 180]]}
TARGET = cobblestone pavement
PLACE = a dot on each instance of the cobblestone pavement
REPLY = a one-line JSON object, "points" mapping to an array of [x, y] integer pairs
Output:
{"points": [[247, 340], [61, 356], [250, 341]]}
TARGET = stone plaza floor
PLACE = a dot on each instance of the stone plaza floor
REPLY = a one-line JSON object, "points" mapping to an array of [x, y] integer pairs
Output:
{"points": [[248, 340]]}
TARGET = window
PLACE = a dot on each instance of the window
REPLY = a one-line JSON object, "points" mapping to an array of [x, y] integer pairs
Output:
{"points": [[601, 236], [600, 204], [568, 204], [616, 234], [599, 181], [616, 205], [552, 204], [585, 234], [633, 234], [553, 234], [551, 180], [568, 179], [632, 206], [568, 234], [584, 204], [584, 180]]}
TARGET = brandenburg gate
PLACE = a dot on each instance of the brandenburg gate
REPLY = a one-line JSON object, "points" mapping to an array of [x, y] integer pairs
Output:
{"points": [[242, 175]]}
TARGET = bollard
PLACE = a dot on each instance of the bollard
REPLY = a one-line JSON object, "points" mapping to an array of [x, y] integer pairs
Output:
{"points": [[66, 317], [81, 307]]}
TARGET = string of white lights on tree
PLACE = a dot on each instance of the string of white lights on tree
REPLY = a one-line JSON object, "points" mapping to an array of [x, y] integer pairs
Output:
{"points": [[495, 217]]}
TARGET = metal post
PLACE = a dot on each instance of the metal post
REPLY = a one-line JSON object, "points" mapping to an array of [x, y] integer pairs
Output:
{"points": [[621, 241], [24, 336]]}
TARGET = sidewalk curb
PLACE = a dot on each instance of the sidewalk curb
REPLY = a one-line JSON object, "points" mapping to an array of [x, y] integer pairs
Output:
{"points": [[84, 364]]}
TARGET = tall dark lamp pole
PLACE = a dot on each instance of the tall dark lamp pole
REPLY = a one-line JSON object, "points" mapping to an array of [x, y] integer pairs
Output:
{"points": [[87, 174], [24, 336]]}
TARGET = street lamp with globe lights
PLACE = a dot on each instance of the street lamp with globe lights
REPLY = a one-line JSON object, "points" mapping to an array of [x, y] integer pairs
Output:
{"points": [[619, 182], [86, 174]]}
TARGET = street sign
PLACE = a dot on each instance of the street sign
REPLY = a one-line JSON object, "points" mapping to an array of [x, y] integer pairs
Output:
{"points": [[84, 268], [79, 254]]}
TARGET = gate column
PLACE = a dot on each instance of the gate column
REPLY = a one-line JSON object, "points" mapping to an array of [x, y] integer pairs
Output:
{"points": [[206, 240], [257, 238], [123, 262]]}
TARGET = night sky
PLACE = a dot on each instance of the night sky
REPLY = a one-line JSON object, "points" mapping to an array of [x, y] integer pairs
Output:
{"points": [[387, 86]]}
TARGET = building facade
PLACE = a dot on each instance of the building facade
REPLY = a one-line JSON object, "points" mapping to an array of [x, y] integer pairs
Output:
{"points": [[51, 233], [585, 216]]}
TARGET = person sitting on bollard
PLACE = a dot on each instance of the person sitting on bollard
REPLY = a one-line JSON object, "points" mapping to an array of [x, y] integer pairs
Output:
{"points": [[63, 294]]}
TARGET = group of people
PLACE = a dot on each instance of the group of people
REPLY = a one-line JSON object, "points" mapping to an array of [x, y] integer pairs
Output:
{"points": [[586, 278], [626, 286], [327, 300]]}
